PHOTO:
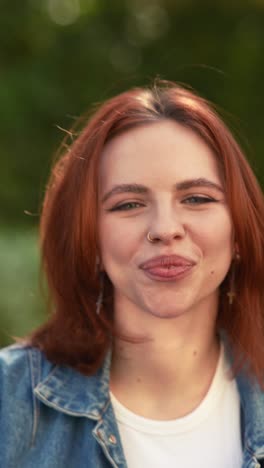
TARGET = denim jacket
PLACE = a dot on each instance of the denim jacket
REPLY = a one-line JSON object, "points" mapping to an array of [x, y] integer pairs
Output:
{"points": [[51, 416]]}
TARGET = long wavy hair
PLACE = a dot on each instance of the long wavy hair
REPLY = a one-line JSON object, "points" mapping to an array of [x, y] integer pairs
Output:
{"points": [[74, 334]]}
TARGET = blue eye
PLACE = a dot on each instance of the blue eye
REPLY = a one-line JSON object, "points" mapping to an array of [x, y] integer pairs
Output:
{"points": [[198, 200], [126, 206]]}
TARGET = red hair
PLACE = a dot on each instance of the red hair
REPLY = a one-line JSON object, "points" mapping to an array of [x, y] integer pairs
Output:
{"points": [[75, 335]]}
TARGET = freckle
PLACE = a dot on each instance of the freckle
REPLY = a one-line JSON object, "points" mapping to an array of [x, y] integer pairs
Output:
{"points": [[212, 272], [195, 353]]}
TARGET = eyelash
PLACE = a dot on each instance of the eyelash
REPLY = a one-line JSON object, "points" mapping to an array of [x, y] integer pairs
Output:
{"points": [[199, 200], [124, 206]]}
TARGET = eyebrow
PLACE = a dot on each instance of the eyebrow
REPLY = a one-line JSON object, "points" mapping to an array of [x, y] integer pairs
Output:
{"points": [[142, 189], [125, 188], [201, 182]]}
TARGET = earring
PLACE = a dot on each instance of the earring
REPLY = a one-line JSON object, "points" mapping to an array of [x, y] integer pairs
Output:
{"points": [[232, 293], [99, 301]]}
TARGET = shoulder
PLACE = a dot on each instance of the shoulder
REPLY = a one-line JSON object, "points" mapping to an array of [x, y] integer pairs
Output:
{"points": [[20, 364], [20, 370], [15, 380], [14, 366], [12, 359], [38, 400], [21, 367]]}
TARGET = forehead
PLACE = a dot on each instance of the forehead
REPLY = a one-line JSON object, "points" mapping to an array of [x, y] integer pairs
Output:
{"points": [[158, 152]]}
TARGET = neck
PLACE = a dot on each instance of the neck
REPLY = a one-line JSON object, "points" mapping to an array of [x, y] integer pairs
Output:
{"points": [[179, 357]]}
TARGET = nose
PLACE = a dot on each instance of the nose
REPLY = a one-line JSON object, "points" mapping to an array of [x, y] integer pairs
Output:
{"points": [[165, 227]]}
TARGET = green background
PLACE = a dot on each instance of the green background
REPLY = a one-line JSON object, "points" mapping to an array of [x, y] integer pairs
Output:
{"points": [[58, 57]]}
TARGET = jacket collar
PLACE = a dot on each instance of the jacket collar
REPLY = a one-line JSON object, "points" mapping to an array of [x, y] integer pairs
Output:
{"points": [[75, 394], [71, 392]]}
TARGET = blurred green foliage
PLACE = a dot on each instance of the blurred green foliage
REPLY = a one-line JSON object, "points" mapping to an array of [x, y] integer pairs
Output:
{"points": [[21, 302], [57, 57]]}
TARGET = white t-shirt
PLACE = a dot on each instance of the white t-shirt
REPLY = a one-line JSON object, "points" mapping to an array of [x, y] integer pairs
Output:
{"points": [[207, 437]]}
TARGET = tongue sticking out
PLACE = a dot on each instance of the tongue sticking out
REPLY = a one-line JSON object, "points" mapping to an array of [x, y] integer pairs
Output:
{"points": [[169, 271]]}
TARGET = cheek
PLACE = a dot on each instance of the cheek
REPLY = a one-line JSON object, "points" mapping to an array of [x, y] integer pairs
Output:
{"points": [[118, 244], [215, 240], [219, 255]]}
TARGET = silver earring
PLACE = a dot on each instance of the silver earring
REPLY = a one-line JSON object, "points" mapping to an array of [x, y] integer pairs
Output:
{"points": [[99, 301], [150, 239]]}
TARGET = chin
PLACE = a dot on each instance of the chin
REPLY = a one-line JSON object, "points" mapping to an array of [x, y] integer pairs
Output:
{"points": [[166, 313]]}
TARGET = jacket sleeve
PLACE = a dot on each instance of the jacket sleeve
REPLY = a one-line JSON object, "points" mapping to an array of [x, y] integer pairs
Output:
{"points": [[17, 406]]}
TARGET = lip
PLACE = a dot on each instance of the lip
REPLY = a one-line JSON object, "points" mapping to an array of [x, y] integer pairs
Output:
{"points": [[167, 261], [168, 267]]}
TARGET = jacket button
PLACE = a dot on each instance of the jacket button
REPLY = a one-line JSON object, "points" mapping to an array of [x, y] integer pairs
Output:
{"points": [[112, 439]]}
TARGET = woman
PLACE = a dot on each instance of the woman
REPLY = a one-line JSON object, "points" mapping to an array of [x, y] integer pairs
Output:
{"points": [[153, 246]]}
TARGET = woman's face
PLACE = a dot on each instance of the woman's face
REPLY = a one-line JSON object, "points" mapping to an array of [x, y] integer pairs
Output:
{"points": [[163, 179]]}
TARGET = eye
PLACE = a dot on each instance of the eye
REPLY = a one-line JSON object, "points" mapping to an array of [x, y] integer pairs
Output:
{"points": [[198, 200], [127, 206]]}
